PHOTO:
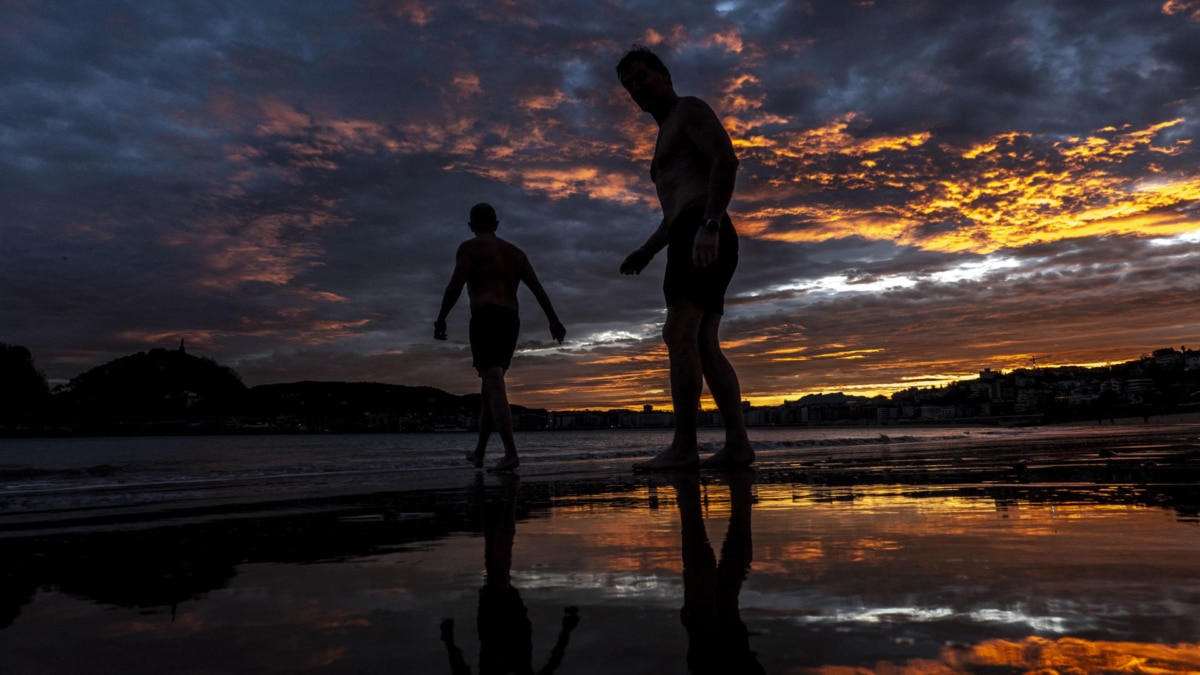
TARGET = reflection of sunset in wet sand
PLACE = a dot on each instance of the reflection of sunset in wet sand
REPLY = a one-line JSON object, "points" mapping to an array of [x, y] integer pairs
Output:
{"points": [[1036, 655], [927, 574], [933, 557]]}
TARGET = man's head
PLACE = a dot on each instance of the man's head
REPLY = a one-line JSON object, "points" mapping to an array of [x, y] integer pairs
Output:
{"points": [[642, 54], [483, 218], [646, 79]]}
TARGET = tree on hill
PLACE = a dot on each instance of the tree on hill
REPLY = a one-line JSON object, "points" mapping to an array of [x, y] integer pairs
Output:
{"points": [[24, 393], [153, 386]]}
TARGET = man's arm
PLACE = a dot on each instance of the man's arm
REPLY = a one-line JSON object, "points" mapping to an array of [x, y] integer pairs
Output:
{"points": [[636, 262], [705, 131], [458, 279], [557, 330]]}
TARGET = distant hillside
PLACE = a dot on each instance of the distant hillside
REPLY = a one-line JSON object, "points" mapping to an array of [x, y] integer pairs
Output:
{"points": [[150, 386], [360, 406], [170, 391], [335, 398]]}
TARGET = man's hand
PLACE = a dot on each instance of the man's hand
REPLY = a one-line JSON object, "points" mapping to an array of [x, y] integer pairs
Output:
{"points": [[439, 330], [558, 331], [705, 247], [636, 262]]}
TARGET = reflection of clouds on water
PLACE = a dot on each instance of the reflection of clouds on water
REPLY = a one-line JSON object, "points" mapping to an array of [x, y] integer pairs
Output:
{"points": [[614, 585], [948, 579], [918, 615], [1063, 655]]}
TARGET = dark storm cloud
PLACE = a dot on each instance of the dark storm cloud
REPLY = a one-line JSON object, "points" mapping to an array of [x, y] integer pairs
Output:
{"points": [[283, 184], [979, 68]]}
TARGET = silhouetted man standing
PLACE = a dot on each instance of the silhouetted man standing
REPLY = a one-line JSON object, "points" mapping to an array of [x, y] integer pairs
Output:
{"points": [[694, 171], [492, 269]]}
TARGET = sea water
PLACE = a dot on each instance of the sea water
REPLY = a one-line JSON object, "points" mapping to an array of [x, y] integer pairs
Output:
{"points": [[827, 564], [46, 474]]}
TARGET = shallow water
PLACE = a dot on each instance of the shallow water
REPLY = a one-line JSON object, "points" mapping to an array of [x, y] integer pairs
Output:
{"points": [[1031, 551], [44, 477]]}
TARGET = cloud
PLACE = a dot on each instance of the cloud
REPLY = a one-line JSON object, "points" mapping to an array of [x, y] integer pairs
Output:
{"points": [[926, 189]]}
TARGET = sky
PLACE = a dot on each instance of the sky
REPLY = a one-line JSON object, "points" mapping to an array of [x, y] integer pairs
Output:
{"points": [[927, 188]]}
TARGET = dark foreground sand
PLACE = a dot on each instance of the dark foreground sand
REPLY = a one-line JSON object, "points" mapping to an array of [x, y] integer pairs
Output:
{"points": [[1070, 550]]}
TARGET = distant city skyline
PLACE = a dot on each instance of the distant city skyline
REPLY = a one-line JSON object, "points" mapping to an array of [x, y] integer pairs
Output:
{"points": [[926, 190], [1124, 383]]}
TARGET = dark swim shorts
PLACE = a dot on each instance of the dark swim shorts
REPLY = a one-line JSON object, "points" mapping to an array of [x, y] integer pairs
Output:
{"points": [[704, 286], [493, 333]]}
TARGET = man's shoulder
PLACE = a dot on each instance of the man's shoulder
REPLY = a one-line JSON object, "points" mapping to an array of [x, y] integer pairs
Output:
{"points": [[693, 105], [512, 250], [694, 112], [490, 247]]}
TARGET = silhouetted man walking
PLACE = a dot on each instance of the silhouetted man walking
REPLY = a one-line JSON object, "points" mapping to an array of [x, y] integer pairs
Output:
{"points": [[694, 171], [492, 269]]}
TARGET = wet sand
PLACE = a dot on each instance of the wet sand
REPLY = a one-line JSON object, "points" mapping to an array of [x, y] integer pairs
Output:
{"points": [[1066, 550]]}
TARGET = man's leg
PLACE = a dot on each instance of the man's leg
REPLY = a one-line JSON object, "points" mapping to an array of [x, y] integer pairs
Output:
{"points": [[681, 333], [485, 429], [495, 396], [727, 394]]}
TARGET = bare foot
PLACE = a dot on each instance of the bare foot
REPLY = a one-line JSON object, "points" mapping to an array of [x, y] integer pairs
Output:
{"points": [[476, 459], [670, 460], [729, 458], [507, 464]]}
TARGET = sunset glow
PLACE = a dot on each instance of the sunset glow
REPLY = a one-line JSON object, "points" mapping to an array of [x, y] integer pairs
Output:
{"points": [[936, 188]]}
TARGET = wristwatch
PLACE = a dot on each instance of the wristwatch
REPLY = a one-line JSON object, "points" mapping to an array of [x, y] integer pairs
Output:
{"points": [[712, 225]]}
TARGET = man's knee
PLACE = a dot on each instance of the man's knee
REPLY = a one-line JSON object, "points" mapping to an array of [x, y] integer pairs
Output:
{"points": [[681, 343], [711, 360], [492, 376], [710, 348]]}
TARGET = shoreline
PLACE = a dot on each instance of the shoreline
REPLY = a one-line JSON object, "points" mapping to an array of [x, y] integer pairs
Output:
{"points": [[1031, 420], [1158, 455]]}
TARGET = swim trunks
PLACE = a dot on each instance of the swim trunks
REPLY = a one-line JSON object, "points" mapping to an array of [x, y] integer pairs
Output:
{"points": [[493, 334], [704, 286]]}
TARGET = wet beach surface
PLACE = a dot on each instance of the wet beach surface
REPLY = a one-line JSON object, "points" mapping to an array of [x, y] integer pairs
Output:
{"points": [[1047, 552]]}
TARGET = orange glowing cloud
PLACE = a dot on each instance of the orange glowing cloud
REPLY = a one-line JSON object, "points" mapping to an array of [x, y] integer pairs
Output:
{"points": [[198, 338], [730, 40], [1009, 191], [1188, 8], [467, 84], [743, 100], [676, 34], [259, 250], [557, 183], [834, 138], [546, 102], [1039, 655], [281, 118]]}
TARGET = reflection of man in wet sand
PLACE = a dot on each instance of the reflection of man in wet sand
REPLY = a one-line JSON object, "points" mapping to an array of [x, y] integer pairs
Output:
{"points": [[492, 269], [718, 641], [505, 633], [694, 170]]}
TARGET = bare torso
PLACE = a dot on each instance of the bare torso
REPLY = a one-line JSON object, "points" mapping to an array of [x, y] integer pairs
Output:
{"points": [[494, 270], [680, 169]]}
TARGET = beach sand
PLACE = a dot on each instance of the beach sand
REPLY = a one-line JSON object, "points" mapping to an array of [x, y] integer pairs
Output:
{"points": [[1074, 549]]}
